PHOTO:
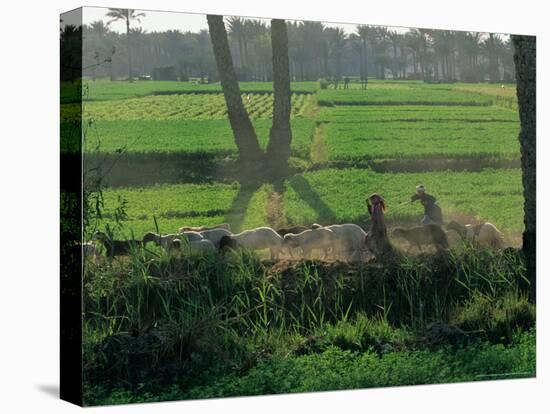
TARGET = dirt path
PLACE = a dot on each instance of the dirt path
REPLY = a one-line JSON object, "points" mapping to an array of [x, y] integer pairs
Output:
{"points": [[319, 151]]}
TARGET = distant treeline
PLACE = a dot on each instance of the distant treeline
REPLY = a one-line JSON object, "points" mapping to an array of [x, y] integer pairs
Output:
{"points": [[316, 51]]}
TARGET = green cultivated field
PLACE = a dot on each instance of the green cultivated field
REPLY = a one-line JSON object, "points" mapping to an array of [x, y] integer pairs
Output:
{"points": [[338, 195], [174, 206], [211, 136], [188, 106], [415, 113], [327, 196], [426, 139], [408, 121], [102, 90], [400, 95]]}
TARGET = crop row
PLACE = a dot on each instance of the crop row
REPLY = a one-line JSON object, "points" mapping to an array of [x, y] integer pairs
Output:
{"points": [[182, 106]]}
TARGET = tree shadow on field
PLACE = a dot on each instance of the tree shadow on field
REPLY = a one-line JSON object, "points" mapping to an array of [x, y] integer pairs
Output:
{"points": [[306, 193], [237, 212], [248, 187]]}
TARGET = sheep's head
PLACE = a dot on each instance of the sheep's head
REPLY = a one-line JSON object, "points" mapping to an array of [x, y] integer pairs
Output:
{"points": [[149, 237], [227, 242], [398, 232]]}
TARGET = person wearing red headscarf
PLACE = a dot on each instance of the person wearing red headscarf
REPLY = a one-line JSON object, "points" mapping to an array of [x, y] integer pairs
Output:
{"points": [[377, 237]]}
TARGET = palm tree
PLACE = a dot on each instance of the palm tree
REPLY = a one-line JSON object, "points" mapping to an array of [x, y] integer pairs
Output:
{"points": [[379, 41], [126, 15], [467, 45], [364, 32], [525, 59], [243, 130], [337, 46], [280, 135], [492, 46], [417, 42], [443, 44], [396, 42], [237, 31]]}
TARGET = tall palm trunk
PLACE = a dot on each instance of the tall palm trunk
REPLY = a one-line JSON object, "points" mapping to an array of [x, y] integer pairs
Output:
{"points": [[526, 75], [129, 49], [243, 131], [280, 136], [365, 75]]}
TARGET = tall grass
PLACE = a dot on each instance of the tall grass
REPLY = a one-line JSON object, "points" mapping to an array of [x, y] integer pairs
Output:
{"points": [[244, 295], [153, 316]]}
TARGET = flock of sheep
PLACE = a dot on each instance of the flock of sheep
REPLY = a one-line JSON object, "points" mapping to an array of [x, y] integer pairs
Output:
{"points": [[344, 242], [484, 235]]}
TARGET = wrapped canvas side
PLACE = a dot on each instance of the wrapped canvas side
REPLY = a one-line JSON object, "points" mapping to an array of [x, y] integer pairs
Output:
{"points": [[71, 207]]}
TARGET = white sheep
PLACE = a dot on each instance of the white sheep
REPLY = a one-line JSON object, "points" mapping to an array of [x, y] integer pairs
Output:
{"points": [[191, 236], [349, 239], [164, 241], [483, 235], [215, 235], [202, 246], [203, 228], [319, 238], [256, 239]]}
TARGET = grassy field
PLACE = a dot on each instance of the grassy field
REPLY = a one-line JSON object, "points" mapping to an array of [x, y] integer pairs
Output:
{"points": [[400, 95], [318, 197], [390, 120], [212, 136], [104, 90], [188, 106], [338, 195], [160, 326], [416, 113], [188, 204], [427, 139]]}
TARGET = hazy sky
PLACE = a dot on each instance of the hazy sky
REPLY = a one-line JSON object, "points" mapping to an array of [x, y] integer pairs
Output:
{"points": [[161, 21]]}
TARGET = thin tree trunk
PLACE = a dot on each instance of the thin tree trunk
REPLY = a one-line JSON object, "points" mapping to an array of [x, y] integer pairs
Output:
{"points": [[243, 131], [280, 136], [526, 75], [129, 52]]}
